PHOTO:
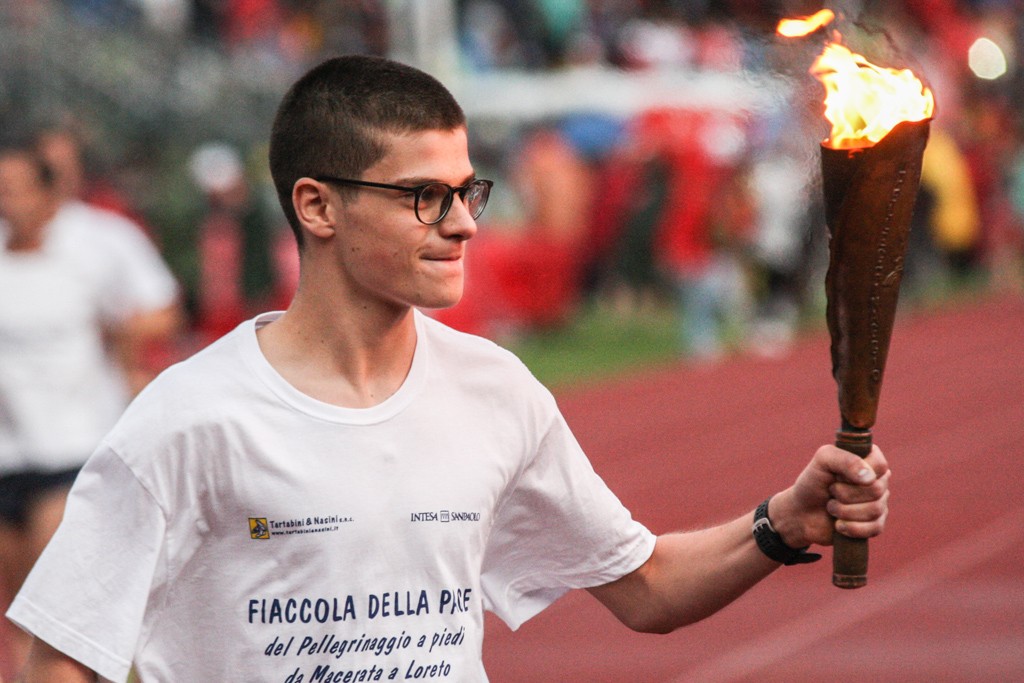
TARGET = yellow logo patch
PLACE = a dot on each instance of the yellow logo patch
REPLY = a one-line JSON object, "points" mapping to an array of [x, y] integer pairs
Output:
{"points": [[258, 528]]}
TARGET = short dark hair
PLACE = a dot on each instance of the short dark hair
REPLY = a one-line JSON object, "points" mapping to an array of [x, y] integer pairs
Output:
{"points": [[332, 121]]}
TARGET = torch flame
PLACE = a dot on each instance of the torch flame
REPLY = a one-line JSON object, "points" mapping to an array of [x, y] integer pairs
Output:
{"points": [[795, 28], [863, 102]]}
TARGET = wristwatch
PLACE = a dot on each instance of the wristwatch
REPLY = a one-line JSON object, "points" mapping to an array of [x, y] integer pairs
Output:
{"points": [[771, 543]]}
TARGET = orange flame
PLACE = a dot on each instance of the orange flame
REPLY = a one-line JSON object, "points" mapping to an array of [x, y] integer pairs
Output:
{"points": [[863, 102], [796, 28]]}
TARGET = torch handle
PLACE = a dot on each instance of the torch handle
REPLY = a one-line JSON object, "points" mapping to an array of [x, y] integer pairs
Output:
{"points": [[850, 555]]}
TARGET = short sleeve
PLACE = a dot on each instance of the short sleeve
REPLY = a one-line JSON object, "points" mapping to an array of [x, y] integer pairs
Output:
{"points": [[559, 528], [140, 280], [87, 594]]}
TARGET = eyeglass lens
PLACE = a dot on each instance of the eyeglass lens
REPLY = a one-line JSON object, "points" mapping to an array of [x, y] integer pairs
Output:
{"points": [[435, 199]]}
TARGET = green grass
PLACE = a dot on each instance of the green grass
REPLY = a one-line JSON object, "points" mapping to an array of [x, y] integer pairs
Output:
{"points": [[598, 343]]}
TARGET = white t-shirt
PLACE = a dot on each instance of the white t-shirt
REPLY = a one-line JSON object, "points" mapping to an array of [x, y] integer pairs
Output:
{"points": [[231, 528], [60, 392]]}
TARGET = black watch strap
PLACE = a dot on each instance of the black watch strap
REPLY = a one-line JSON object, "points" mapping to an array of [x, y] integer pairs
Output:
{"points": [[771, 543]]}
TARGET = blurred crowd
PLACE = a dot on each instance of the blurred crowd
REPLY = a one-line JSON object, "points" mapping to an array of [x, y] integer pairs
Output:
{"points": [[717, 211], [711, 211]]}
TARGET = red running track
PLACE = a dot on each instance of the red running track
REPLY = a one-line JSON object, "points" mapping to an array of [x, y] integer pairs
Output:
{"points": [[687, 447]]}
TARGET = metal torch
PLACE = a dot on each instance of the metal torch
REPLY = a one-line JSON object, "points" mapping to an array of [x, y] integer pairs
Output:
{"points": [[869, 200]]}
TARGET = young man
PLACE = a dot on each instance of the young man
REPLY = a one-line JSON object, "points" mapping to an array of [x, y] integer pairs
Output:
{"points": [[338, 492], [73, 293]]}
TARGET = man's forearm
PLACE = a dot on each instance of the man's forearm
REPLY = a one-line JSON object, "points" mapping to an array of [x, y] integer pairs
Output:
{"points": [[689, 576], [693, 575], [47, 665], [133, 339]]}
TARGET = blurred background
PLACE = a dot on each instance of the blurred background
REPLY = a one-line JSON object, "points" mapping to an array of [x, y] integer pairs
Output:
{"points": [[656, 161]]}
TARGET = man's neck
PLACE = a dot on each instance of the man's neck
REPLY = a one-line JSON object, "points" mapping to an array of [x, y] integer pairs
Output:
{"points": [[21, 244], [26, 239], [353, 358]]}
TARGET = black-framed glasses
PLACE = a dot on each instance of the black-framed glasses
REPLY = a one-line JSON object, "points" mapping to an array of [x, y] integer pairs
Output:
{"points": [[432, 200]]}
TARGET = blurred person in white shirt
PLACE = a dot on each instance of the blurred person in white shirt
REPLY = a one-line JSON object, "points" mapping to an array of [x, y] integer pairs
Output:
{"points": [[81, 290]]}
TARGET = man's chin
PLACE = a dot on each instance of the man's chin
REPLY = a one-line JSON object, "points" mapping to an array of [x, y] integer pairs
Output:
{"points": [[442, 301]]}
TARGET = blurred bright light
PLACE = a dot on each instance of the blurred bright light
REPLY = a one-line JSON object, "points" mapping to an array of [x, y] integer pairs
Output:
{"points": [[986, 59]]}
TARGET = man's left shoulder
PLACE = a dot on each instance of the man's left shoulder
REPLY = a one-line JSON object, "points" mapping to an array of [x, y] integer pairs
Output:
{"points": [[469, 351]]}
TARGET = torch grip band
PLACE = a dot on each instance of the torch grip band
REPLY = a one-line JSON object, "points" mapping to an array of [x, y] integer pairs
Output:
{"points": [[850, 555]]}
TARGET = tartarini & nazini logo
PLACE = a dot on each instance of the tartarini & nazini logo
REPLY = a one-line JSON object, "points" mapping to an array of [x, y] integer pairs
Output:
{"points": [[265, 528]]}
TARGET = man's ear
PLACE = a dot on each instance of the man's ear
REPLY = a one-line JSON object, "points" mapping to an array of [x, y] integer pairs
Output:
{"points": [[313, 207]]}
